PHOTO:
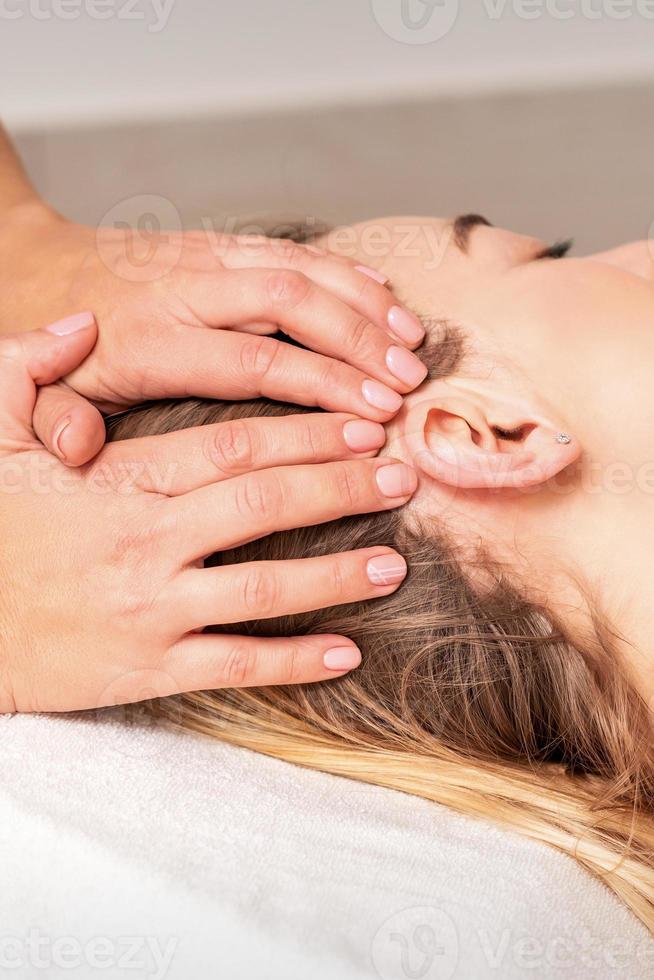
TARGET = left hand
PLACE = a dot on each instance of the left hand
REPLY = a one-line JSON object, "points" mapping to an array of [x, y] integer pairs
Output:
{"points": [[102, 589], [158, 314]]}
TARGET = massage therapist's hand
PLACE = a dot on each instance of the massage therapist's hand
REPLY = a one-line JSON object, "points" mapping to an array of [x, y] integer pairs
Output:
{"points": [[182, 314], [103, 592]]}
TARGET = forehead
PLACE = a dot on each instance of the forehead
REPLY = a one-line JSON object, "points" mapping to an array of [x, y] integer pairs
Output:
{"points": [[414, 252], [418, 255], [422, 256], [395, 239]]}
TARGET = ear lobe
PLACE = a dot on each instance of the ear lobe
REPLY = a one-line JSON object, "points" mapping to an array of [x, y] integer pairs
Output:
{"points": [[460, 445]]}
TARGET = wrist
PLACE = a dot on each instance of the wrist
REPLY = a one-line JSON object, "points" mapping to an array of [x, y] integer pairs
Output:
{"points": [[24, 220], [26, 262]]}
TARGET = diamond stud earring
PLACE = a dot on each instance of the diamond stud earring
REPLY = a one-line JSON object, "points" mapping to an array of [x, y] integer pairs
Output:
{"points": [[563, 438]]}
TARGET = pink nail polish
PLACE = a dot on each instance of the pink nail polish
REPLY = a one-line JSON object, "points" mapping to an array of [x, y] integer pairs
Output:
{"points": [[396, 480], [405, 325], [341, 658], [379, 396], [372, 274], [71, 324], [405, 366], [386, 569], [362, 436]]}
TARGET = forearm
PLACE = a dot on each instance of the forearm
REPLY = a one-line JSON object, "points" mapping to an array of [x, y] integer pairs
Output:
{"points": [[25, 228]]}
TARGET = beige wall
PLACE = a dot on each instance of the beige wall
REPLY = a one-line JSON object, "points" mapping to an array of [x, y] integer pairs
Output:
{"points": [[568, 162]]}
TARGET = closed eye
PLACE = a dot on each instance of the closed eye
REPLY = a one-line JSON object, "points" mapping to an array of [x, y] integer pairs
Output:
{"points": [[556, 251]]}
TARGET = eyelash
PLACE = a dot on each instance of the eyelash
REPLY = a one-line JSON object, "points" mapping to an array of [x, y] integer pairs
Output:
{"points": [[558, 250]]}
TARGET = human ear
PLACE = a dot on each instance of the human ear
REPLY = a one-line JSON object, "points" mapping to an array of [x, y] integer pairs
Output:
{"points": [[470, 435]]}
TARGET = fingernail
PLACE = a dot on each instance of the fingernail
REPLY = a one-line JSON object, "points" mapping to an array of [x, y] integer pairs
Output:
{"points": [[362, 436], [372, 274], [71, 324], [379, 396], [386, 569], [396, 480], [405, 366], [57, 434], [341, 658], [405, 325]]}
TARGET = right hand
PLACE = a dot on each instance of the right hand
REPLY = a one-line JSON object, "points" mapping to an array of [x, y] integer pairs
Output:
{"points": [[177, 313], [102, 589]]}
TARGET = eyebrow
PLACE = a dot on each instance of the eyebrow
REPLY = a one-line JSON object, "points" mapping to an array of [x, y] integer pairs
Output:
{"points": [[463, 225]]}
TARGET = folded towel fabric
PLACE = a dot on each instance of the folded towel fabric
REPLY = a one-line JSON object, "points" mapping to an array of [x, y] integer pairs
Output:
{"points": [[132, 851]]}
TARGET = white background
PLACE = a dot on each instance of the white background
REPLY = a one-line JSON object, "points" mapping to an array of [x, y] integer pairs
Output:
{"points": [[248, 54]]}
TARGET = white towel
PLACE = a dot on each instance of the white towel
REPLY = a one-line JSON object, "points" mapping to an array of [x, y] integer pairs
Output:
{"points": [[131, 852]]}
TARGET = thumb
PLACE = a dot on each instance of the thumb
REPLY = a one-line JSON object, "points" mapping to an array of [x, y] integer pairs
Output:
{"points": [[68, 425], [38, 358]]}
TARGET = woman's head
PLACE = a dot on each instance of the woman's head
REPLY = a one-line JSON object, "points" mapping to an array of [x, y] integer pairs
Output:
{"points": [[480, 685], [554, 347]]}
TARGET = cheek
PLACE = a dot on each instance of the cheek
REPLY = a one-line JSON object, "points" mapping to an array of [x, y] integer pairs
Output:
{"points": [[569, 310]]}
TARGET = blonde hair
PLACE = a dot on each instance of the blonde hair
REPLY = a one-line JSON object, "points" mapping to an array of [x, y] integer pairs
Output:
{"points": [[477, 702]]}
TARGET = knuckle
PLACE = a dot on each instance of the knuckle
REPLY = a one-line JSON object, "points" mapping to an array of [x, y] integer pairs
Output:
{"points": [[333, 376], [365, 290], [132, 544], [287, 289], [136, 604], [346, 487], [339, 581], [361, 338], [239, 666], [259, 496], [231, 447], [291, 666], [257, 356], [11, 348], [260, 593], [121, 477], [310, 439], [293, 254]]}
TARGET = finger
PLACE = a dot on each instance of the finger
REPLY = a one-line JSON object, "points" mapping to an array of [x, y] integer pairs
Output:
{"points": [[39, 358], [264, 589], [230, 365], [306, 312], [247, 507], [178, 462], [358, 286], [261, 328], [206, 661], [68, 425]]}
